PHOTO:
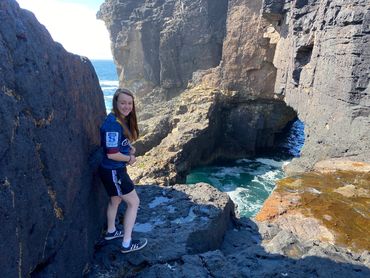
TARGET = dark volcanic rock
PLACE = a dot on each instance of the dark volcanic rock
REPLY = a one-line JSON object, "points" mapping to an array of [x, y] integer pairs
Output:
{"points": [[177, 221], [51, 206], [322, 57], [192, 233]]}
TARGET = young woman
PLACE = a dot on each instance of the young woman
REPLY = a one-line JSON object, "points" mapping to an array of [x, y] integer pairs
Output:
{"points": [[117, 132]]}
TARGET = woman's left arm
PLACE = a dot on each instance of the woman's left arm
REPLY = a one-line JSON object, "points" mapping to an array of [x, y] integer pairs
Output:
{"points": [[132, 149]]}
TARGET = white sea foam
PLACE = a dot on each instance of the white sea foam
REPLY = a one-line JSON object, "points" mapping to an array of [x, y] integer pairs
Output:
{"points": [[259, 171], [270, 162], [240, 198], [228, 187], [228, 171], [108, 88], [248, 183], [235, 195], [109, 83], [271, 176]]}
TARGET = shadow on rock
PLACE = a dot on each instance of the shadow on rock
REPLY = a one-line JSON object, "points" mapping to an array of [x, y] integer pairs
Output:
{"points": [[192, 232]]}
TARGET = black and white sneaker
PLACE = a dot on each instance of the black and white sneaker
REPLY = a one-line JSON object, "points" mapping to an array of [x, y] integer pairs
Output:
{"points": [[135, 245], [115, 234]]}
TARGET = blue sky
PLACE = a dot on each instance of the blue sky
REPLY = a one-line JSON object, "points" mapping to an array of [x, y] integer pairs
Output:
{"points": [[94, 4], [73, 23]]}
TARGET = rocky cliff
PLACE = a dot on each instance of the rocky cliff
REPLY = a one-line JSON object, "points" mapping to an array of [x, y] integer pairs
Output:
{"points": [[161, 43], [322, 60], [51, 207], [204, 78]]}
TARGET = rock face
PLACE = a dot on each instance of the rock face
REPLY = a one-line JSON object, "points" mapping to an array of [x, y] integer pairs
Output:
{"points": [[322, 61], [161, 43], [51, 106], [214, 49], [207, 124]]}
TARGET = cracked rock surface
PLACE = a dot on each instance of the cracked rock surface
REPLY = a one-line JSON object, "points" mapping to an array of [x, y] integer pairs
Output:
{"points": [[51, 106]]}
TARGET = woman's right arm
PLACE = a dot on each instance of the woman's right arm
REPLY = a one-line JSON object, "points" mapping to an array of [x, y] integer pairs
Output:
{"points": [[118, 156]]}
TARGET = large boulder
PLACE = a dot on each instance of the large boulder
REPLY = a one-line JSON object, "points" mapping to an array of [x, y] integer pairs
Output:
{"points": [[51, 105], [178, 220]]}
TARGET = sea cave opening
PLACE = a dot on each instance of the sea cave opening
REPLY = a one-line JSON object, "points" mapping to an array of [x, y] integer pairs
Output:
{"points": [[249, 181]]}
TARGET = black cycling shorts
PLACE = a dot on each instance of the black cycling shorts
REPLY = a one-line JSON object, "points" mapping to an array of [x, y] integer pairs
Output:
{"points": [[117, 182]]}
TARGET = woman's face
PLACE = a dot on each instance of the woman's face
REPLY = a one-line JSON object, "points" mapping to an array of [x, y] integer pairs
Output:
{"points": [[124, 104]]}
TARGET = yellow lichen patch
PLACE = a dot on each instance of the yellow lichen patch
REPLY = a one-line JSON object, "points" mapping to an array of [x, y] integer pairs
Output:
{"points": [[11, 93], [44, 122], [57, 210], [340, 200]]}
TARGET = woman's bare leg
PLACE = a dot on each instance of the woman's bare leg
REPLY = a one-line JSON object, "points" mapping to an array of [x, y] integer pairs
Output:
{"points": [[132, 201], [112, 212]]}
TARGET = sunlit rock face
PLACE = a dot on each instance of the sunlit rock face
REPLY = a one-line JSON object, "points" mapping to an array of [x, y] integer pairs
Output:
{"points": [[51, 105], [204, 79], [161, 43], [322, 60]]}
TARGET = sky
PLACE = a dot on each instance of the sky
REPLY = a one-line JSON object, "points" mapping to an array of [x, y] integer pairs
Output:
{"points": [[73, 23]]}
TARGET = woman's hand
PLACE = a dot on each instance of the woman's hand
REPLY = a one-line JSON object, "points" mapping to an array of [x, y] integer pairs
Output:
{"points": [[132, 160], [132, 150]]}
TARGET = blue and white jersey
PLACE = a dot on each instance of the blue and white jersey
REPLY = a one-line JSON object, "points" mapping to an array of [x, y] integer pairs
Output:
{"points": [[113, 140]]}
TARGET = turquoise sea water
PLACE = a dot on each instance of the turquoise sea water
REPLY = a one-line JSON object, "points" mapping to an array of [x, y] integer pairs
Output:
{"points": [[247, 181]]}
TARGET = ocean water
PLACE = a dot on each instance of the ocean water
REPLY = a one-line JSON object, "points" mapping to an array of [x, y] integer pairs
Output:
{"points": [[247, 181], [108, 79]]}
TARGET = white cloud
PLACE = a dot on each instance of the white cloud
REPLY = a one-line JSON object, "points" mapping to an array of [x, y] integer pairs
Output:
{"points": [[73, 25]]}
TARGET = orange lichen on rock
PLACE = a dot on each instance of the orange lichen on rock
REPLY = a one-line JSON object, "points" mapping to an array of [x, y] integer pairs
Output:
{"points": [[277, 204], [340, 201]]}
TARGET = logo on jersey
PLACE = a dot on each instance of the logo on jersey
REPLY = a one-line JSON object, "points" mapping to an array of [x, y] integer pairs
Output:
{"points": [[111, 139], [125, 143]]}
